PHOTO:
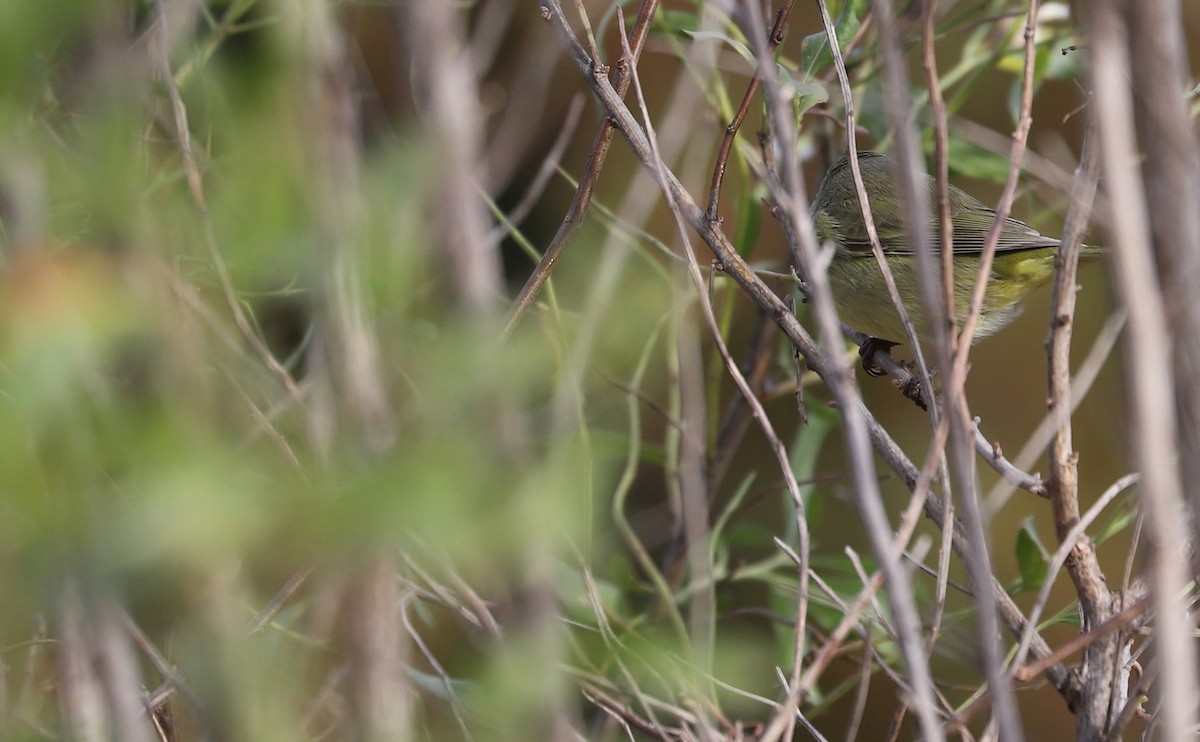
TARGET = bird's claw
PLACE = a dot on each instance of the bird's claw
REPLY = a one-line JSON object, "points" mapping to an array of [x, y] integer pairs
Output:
{"points": [[869, 349]]}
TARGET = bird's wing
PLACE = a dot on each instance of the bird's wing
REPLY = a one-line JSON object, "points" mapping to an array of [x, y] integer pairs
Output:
{"points": [[971, 227], [970, 233]]}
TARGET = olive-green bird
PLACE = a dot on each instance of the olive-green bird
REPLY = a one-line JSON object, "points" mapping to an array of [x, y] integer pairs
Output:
{"points": [[1024, 257]]}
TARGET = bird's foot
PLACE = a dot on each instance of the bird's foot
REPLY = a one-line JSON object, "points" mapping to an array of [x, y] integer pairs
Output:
{"points": [[869, 349]]}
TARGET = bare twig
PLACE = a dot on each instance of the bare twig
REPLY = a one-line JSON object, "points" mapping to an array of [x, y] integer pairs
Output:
{"points": [[1040, 439], [761, 294], [813, 258], [735, 373], [774, 39], [1101, 659], [1114, 623], [587, 179], [98, 678], [860, 191], [541, 179], [1152, 408], [961, 465], [447, 86], [1067, 550], [381, 696], [864, 686], [281, 599]]}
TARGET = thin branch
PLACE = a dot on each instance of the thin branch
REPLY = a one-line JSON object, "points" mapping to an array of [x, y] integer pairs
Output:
{"points": [[281, 599], [1114, 623], [1067, 551], [774, 39], [864, 687], [735, 373], [758, 291], [1085, 377], [1152, 405], [814, 258], [860, 191], [573, 219], [541, 179]]}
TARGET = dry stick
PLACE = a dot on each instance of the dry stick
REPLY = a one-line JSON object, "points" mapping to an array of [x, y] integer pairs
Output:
{"points": [[171, 675], [1171, 167], [30, 679], [850, 620], [935, 456], [1115, 622], [1039, 440], [945, 336], [624, 714], [1065, 682], [285, 594], [760, 414], [1137, 697], [472, 609], [840, 378], [448, 90], [1170, 163], [864, 686], [1148, 355], [758, 292], [541, 179], [828, 651], [961, 462], [773, 42], [97, 688], [1005, 712], [1101, 659], [1126, 662], [736, 420], [1004, 207], [456, 705], [1067, 550], [860, 191], [573, 219]]}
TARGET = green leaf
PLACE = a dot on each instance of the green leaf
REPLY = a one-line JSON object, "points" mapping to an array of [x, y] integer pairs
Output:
{"points": [[749, 221], [814, 52], [1031, 557], [1068, 616], [675, 22], [729, 41], [804, 94], [975, 162], [1116, 523], [814, 49]]}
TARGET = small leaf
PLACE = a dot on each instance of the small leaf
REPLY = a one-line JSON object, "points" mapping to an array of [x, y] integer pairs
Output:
{"points": [[804, 94], [749, 220], [975, 162], [733, 43], [1118, 522], [1031, 557], [675, 22], [814, 49], [814, 52]]}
